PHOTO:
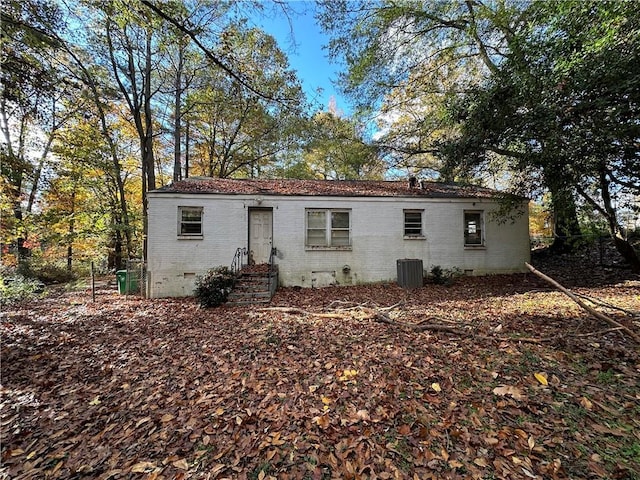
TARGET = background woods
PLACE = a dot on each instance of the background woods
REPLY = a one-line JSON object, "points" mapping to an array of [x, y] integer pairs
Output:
{"points": [[103, 102]]}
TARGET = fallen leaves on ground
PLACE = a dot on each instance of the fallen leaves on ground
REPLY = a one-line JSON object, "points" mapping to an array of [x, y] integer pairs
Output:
{"points": [[160, 389]]}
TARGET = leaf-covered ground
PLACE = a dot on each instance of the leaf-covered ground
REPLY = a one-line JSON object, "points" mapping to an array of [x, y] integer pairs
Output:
{"points": [[132, 388]]}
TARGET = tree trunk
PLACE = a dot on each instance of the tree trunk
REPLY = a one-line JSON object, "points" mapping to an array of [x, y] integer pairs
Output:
{"points": [[177, 114], [149, 172], [566, 225], [625, 249], [186, 152], [71, 232], [119, 208]]}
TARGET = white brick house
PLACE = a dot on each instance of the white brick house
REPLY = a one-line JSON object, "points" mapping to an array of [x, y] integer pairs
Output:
{"points": [[324, 232]]}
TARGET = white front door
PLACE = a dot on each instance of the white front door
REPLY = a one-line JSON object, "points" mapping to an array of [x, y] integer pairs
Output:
{"points": [[260, 234]]}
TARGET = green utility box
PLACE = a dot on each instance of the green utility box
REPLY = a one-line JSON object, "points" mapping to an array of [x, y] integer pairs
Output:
{"points": [[127, 281]]}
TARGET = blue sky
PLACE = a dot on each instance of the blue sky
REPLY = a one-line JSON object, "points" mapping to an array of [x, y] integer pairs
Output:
{"points": [[307, 56]]}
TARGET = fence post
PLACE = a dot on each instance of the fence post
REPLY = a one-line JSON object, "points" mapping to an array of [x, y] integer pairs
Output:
{"points": [[93, 283]]}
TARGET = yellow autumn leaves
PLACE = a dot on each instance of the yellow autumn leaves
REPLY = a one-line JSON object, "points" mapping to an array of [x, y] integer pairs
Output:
{"points": [[348, 375]]}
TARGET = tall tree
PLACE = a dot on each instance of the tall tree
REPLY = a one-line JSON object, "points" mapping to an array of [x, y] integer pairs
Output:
{"points": [[407, 61], [235, 131], [337, 149], [565, 109], [31, 93]]}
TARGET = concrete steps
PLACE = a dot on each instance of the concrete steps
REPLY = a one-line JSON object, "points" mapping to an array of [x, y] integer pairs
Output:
{"points": [[253, 286]]}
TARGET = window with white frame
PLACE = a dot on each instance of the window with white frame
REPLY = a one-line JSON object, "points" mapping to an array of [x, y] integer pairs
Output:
{"points": [[413, 223], [328, 227], [473, 228], [189, 221]]}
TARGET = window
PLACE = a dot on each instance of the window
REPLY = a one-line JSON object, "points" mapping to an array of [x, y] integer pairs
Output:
{"points": [[189, 221], [328, 228], [413, 223], [473, 232]]}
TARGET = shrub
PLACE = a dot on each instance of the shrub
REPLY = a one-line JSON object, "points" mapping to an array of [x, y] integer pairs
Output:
{"points": [[213, 288], [444, 276], [16, 288], [45, 272]]}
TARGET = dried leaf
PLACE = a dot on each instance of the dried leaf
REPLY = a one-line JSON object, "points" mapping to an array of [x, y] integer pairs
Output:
{"points": [[142, 420], [531, 442], [323, 421], [509, 390], [217, 468], [542, 378], [182, 464], [436, 387], [348, 375], [363, 415], [142, 467], [586, 403], [404, 429]]}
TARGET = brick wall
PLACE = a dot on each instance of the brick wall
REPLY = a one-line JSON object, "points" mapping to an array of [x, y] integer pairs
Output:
{"points": [[377, 239]]}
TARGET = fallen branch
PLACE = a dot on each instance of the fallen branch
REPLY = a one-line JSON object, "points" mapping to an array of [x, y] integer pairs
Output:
{"points": [[596, 314], [300, 311], [629, 313]]}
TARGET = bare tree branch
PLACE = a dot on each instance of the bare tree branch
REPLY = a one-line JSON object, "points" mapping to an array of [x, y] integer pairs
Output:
{"points": [[213, 58], [594, 313]]}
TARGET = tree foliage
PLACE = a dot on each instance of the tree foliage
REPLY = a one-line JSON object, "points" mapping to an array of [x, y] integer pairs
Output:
{"points": [[540, 96], [96, 115], [234, 131], [564, 109], [29, 114], [336, 149]]}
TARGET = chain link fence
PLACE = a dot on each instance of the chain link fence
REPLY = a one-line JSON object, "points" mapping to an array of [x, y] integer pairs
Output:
{"points": [[133, 280]]}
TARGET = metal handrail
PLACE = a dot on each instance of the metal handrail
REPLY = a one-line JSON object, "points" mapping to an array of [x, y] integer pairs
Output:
{"points": [[273, 252], [238, 260]]}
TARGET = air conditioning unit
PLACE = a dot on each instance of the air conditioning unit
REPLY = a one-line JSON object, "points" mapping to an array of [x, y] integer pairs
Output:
{"points": [[410, 272]]}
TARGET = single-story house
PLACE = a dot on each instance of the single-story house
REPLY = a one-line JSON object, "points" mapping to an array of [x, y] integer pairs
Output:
{"points": [[322, 232]]}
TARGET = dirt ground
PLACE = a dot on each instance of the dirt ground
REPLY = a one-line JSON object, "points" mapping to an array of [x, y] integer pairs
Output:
{"points": [[492, 377]]}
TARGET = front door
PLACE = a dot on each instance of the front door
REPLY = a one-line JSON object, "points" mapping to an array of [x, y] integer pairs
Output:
{"points": [[260, 234]]}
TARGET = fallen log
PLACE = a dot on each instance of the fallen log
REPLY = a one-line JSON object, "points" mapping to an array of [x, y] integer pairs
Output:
{"points": [[600, 316], [300, 311]]}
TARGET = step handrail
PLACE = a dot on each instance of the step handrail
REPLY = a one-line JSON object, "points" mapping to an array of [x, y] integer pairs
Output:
{"points": [[272, 254], [238, 260]]}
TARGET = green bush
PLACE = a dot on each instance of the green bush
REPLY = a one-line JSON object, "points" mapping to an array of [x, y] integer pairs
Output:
{"points": [[444, 276], [213, 288], [45, 272], [16, 288]]}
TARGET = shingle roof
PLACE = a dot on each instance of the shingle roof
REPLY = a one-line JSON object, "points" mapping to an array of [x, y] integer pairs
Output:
{"points": [[343, 188]]}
